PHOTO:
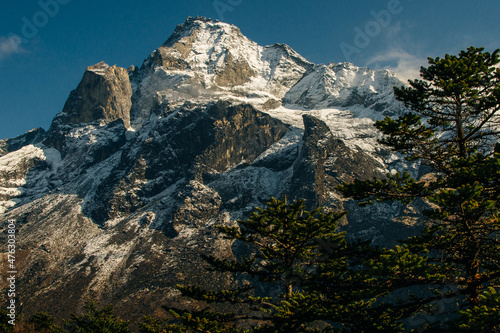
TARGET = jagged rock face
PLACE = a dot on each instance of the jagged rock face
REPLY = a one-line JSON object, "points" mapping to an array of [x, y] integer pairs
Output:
{"points": [[326, 162], [88, 144], [241, 134], [32, 137], [120, 197], [183, 145], [14, 169], [104, 94]]}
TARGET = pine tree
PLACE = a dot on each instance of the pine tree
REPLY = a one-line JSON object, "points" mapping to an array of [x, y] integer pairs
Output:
{"points": [[43, 322], [454, 110], [285, 242], [324, 283], [483, 317], [288, 239], [452, 126], [97, 319]]}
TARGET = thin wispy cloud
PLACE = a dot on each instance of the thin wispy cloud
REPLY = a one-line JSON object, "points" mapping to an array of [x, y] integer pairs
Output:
{"points": [[399, 52], [9, 46], [404, 64]]}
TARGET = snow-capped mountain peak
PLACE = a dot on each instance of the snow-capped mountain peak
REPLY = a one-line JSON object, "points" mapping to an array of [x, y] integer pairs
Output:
{"points": [[209, 60]]}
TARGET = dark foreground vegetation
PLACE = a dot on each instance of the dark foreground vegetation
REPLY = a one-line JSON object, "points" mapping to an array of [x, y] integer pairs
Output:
{"points": [[310, 278]]}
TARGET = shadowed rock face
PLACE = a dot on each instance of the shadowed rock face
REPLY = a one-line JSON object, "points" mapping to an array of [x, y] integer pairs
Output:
{"points": [[104, 94], [326, 162], [30, 138], [184, 147]]}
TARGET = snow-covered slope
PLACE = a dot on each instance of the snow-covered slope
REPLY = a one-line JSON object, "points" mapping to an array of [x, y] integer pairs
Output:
{"points": [[346, 85], [120, 196]]}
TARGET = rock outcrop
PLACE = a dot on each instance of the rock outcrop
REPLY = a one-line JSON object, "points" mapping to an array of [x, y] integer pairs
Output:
{"points": [[326, 162], [32, 137], [104, 94]]}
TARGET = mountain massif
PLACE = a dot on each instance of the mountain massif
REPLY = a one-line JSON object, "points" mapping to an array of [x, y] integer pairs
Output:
{"points": [[119, 197]]}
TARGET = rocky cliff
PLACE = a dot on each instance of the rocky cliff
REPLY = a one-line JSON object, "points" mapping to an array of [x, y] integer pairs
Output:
{"points": [[118, 199], [104, 94]]}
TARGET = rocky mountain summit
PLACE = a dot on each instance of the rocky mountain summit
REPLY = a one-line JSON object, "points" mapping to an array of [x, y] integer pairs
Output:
{"points": [[118, 199]]}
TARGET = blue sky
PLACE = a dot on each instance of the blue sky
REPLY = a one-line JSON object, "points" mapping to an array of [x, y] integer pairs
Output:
{"points": [[46, 45]]}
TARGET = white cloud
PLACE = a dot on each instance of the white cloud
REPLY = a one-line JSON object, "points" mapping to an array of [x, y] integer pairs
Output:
{"points": [[405, 65], [10, 45]]}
